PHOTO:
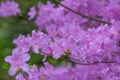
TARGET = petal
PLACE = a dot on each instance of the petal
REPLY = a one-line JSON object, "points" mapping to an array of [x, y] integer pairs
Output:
{"points": [[25, 57], [20, 77], [56, 55], [12, 71], [36, 49], [8, 59], [26, 67]]}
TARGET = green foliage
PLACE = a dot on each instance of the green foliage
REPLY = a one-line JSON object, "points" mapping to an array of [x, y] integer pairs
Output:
{"points": [[10, 28]]}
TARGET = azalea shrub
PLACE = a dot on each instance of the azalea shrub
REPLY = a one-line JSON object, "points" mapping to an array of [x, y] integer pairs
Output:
{"points": [[84, 34]]}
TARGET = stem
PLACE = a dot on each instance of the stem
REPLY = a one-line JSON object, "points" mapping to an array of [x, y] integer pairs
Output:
{"points": [[83, 15]]}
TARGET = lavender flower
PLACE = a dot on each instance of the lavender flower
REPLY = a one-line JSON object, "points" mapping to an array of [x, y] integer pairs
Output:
{"points": [[32, 13], [17, 60]]}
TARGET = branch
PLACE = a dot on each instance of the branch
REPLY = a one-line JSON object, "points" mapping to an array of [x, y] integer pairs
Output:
{"points": [[83, 15], [82, 63], [24, 75], [116, 52]]}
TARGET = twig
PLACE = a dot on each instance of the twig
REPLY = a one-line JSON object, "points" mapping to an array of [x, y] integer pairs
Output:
{"points": [[83, 15]]}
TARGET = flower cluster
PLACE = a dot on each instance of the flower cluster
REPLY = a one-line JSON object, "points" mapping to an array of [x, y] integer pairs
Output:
{"points": [[80, 72], [82, 46], [93, 47]]}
